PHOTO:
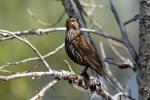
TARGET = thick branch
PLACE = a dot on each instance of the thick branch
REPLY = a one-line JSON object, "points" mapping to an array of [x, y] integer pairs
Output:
{"points": [[91, 85], [144, 51]]}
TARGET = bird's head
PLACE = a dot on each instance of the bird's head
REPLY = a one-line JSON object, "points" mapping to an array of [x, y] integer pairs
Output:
{"points": [[72, 23]]}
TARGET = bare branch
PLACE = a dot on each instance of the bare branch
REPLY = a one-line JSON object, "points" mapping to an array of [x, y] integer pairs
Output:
{"points": [[29, 32], [125, 62], [122, 96], [95, 24], [89, 15], [135, 18], [44, 90], [115, 51], [5, 71], [22, 75], [91, 85], [124, 34], [33, 48], [69, 66], [119, 86], [58, 20], [60, 74], [120, 64], [45, 31], [91, 11], [36, 19], [34, 58], [44, 23]]}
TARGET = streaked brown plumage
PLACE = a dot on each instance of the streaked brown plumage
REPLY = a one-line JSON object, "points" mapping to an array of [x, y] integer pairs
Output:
{"points": [[79, 49]]}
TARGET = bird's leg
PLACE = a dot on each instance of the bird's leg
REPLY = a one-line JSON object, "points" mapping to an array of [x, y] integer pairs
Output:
{"points": [[84, 72]]}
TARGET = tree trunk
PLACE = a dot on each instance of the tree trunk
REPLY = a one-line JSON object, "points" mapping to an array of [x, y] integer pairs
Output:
{"points": [[144, 51]]}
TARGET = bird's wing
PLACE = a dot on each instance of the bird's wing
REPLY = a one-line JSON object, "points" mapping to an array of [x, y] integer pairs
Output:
{"points": [[88, 53]]}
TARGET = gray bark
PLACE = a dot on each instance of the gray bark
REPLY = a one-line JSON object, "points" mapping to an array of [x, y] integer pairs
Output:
{"points": [[144, 51]]}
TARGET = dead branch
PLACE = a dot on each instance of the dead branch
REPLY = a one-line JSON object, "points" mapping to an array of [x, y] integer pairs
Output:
{"points": [[124, 34], [41, 93], [31, 59], [91, 85], [7, 36], [33, 48], [119, 87]]}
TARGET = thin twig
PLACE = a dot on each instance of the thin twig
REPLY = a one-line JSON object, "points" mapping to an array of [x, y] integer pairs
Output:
{"points": [[108, 70], [111, 61], [120, 64], [36, 19], [125, 62], [92, 9], [135, 18], [104, 34], [122, 96], [38, 54], [58, 20], [41, 93], [34, 58], [44, 23], [5, 71], [69, 66], [95, 24], [33, 48], [119, 45], [115, 50]]}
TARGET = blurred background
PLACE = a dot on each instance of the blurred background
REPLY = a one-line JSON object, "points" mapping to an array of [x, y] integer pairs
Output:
{"points": [[15, 16]]}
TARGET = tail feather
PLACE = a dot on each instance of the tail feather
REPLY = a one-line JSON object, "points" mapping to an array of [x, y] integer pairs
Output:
{"points": [[109, 81]]}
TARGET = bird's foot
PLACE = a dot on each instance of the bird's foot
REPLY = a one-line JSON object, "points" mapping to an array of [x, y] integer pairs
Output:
{"points": [[84, 74]]}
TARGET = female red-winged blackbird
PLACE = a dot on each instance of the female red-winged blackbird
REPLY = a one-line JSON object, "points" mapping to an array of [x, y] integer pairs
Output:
{"points": [[80, 50]]}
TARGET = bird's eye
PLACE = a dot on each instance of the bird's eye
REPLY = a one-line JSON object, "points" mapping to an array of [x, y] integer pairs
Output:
{"points": [[73, 20]]}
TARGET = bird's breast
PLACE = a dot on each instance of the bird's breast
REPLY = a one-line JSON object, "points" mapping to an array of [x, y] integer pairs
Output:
{"points": [[72, 51]]}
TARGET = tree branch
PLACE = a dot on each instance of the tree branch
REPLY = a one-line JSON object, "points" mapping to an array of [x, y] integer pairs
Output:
{"points": [[32, 59], [124, 34], [119, 86], [44, 89], [91, 85], [7, 36], [135, 18], [33, 48]]}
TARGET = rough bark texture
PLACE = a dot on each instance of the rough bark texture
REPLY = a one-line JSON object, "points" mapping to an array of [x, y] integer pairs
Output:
{"points": [[144, 51]]}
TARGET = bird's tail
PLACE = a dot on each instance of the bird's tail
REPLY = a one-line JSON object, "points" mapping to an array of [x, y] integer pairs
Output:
{"points": [[108, 78]]}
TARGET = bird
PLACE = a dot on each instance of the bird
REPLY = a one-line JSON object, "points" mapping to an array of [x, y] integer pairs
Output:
{"points": [[82, 52], [79, 49]]}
